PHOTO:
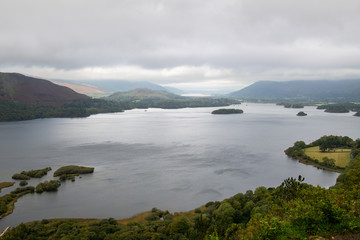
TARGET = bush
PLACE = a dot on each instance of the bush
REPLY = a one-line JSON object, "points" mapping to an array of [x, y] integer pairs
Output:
{"points": [[36, 173], [23, 183], [65, 177], [29, 189], [19, 176], [48, 186]]}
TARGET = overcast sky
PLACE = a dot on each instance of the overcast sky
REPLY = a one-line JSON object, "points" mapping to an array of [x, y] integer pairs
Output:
{"points": [[188, 44]]}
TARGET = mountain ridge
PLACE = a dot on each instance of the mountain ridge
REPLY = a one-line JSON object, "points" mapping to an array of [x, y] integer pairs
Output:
{"points": [[330, 90]]}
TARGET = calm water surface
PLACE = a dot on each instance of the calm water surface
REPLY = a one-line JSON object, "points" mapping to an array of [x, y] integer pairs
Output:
{"points": [[170, 159]]}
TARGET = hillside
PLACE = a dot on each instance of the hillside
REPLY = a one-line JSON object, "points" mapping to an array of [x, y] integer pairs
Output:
{"points": [[24, 89], [146, 98], [106, 87], [143, 93], [319, 90]]}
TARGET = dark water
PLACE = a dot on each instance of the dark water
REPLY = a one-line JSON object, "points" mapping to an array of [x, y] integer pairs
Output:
{"points": [[170, 159]]}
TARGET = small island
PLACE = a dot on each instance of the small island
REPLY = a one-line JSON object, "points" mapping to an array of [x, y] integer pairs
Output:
{"points": [[301, 114], [26, 175], [71, 171], [340, 107], [227, 111]]}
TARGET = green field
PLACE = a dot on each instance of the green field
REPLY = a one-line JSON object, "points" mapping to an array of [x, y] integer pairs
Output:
{"points": [[340, 155]]}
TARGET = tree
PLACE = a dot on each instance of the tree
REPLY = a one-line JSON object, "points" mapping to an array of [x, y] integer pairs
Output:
{"points": [[329, 161]]}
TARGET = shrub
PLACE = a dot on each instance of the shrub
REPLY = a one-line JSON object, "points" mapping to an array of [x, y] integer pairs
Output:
{"points": [[48, 186], [19, 176], [23, 183]]}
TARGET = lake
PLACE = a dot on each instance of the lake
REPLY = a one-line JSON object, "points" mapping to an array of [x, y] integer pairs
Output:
{"points": [[174, 160]]}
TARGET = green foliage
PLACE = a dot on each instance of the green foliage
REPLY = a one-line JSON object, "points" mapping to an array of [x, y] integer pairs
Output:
{"points": [[340, 107], [7, 201], [29, 189], [48, 186], [179, 227], [290, 188], [65, 177], [36, 173], [325, 143], [23, 183], [291, 105], [16, 111], [227, 111], [329, 161], [26, 175], [19, 176], [331, 142], [73, 169]]}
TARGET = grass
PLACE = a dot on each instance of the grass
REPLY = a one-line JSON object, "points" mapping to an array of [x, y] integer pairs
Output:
{"points": [[5, 185], [340, 155], [140, 218]]}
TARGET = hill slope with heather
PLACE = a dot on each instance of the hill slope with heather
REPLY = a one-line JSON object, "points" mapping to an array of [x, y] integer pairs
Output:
{"points": [[24, 89]]}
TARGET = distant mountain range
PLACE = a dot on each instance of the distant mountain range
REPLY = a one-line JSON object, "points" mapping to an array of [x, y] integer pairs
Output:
{"points": [[24, 89], [143, 93], [321, 90], [107, 87]]}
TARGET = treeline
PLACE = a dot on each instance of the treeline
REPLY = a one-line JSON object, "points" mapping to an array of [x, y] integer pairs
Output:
{"points": [[16, 111], [293, 210], [291, 104]]}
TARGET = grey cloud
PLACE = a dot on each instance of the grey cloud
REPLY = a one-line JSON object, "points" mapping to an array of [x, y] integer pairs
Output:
{"points": [[246, 36]]}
